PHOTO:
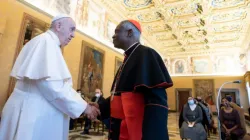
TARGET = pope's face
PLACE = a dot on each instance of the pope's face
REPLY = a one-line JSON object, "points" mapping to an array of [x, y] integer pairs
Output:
{"points": [[66, 31]]}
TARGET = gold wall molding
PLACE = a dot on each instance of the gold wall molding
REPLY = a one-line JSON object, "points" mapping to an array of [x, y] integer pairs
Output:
{"points": [[247, 74], [247, 77]]}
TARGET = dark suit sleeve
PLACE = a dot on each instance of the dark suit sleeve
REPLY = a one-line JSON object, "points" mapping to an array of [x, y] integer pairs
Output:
{"points": [[104, 107], [101, 99], [200, 115], [93, 99], [181, 120], [185, 113]]}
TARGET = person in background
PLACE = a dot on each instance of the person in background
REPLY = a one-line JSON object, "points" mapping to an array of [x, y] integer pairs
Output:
{"points": [[200, 100], [80, 93], [192, 127], [230, 122], [98, 98], [230, 99], [205, 108], [207, 115]]}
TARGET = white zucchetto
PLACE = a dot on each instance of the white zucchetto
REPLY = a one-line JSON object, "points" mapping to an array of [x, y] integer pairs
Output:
{"points": [[60, 17]]}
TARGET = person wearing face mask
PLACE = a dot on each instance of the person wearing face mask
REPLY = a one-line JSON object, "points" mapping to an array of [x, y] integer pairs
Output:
{"points": [[207, 115], [200, 100], [98, 98], [192, 118], [205, 110], [230, 122]]}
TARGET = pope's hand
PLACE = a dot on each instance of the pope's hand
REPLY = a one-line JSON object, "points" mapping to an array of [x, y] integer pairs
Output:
{"points": [[94, 104], [92, 112]]}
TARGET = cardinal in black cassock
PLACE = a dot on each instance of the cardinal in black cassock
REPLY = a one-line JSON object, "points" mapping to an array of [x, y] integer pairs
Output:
{"points": [[137, 107]]}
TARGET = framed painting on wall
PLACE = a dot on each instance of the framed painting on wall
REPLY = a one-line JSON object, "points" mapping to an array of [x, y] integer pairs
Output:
{"points": [[201, 65], [91, 69], [30, 28], [118, 63], [205, 89], [179, 66]]}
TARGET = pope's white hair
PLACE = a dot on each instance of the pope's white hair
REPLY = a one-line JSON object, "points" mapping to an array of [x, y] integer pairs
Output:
{"points": [[53, 24]]}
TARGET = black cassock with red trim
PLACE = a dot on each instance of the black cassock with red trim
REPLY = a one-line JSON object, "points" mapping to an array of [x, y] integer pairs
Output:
{"points": [[139, 108]]}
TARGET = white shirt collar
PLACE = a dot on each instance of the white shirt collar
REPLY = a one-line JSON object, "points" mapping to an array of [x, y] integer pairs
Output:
{"points": [[192, 107], [130, 47]]}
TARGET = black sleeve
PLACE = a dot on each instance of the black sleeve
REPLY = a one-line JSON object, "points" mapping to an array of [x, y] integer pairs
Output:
{"points": [[104, 107], [221, 116], [184, 115], [200, 115], [237, 118], [181, 120], [154, 96], [155, 114], [102, 99], [93, 99]]}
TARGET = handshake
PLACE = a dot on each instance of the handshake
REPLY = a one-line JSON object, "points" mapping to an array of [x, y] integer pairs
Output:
{"points": [[92, 111]]}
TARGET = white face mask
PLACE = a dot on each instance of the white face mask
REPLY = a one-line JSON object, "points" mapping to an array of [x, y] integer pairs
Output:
{"points": [[97, 95]]}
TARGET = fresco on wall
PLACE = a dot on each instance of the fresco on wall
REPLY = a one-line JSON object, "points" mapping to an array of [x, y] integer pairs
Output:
{"points": [[52, 6], [96, 20], [92, 69], [60, 6], [206, 65], [110, 30], [222, 65], [179, 67], [80, 13], [89, 17], [200, 66]]}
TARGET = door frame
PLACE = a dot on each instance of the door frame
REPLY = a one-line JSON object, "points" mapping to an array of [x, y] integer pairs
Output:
{"points": [[237, 93], [177, 95]]}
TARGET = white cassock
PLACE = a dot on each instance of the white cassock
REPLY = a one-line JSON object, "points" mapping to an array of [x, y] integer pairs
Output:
{"points": [[43, 99]]}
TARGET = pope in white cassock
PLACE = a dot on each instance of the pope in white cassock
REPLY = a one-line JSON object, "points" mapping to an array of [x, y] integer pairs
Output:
{"points": [[43, 99]]}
